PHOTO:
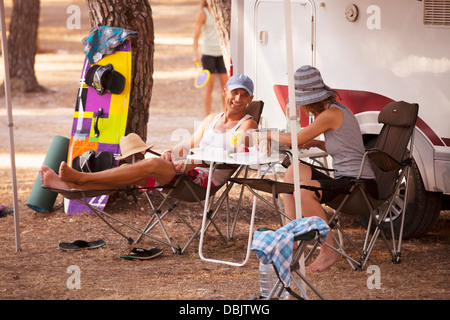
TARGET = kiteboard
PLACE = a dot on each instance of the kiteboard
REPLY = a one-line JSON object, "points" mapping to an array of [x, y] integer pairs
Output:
{"points": [[100, 117]]}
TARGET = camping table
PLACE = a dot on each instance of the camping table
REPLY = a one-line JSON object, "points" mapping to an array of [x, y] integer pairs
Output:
{"points": [[252, 158]]}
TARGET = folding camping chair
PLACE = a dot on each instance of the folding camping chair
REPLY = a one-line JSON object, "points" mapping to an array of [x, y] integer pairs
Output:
{"points": [[183, 189], [276, 247], [391, 160]]}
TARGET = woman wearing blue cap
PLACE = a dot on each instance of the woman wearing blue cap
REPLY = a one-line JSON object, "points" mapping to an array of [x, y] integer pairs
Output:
{"points": [[238, 93], [343, 142]]}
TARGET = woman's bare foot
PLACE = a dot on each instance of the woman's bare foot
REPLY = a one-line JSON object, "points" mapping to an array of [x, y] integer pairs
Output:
{"points": [[51, 180], [324, 261]]}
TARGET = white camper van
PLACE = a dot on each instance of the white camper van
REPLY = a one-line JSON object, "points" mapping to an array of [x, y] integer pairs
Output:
{"points": [[371, 52]]}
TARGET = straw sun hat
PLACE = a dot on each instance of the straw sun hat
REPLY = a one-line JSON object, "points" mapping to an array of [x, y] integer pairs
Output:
{"points": [[132, 144]]}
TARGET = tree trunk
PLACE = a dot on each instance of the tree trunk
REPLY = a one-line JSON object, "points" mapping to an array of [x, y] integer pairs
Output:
{"points": [[133, 15], [22, 46], [221, 12]]}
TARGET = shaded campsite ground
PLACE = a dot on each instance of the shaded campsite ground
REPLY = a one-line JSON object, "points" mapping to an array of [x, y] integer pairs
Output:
{"points": [[40, 270]]}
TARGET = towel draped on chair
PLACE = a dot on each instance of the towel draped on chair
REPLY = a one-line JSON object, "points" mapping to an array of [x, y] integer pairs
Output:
{"points": [[277, 246]]}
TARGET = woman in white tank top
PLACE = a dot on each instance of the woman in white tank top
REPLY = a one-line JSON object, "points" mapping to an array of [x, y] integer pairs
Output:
{"points": [[211, 50]]}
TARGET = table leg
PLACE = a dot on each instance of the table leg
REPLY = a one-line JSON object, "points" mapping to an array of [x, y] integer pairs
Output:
{"points": [[252, 220]]}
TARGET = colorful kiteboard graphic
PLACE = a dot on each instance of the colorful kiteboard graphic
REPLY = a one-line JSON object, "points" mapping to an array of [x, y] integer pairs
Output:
{"points": [[100, 118]]}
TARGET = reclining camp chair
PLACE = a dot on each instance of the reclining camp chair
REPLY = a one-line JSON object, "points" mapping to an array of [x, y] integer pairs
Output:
{"points": [[183, 189], [391, 160]]}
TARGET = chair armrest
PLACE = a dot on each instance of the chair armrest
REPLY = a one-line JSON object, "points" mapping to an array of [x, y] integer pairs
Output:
{"points": [[288, 160], [154, 152]]}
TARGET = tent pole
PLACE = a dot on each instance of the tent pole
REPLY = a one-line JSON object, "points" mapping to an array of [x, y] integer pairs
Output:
{"points": [[293, 117], [292, 109], [10, 123]]}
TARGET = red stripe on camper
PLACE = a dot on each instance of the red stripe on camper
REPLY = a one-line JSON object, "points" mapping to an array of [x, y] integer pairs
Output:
{"points": [[357, 101]]}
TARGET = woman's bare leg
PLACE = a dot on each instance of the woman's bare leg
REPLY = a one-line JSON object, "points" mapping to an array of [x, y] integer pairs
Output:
{"points": [[207, 95], [310, 207], [288, 199]]}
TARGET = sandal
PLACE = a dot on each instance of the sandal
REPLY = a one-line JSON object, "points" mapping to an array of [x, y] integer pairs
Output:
{"points": [[142, 254], [81, 244]]}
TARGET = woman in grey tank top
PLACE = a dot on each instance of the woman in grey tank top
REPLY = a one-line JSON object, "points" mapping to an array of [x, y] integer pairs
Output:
{"points": [[343, 142]]}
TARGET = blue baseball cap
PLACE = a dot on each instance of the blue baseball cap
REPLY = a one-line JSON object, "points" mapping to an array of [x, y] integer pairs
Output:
{"points": [[240, 81]]}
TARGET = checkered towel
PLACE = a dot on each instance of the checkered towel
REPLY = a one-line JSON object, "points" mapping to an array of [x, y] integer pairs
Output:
{"points": [[277, 246]]}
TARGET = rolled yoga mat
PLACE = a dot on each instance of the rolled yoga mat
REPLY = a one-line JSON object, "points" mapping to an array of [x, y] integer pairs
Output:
{"points": [[42, 200]]}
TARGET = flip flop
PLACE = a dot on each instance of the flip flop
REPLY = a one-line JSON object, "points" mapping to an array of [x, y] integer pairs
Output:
{"points": [[81, 244], [142, 254]]}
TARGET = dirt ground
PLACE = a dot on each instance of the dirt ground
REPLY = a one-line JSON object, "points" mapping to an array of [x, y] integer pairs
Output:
{"points": [[42, 271]]}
